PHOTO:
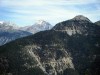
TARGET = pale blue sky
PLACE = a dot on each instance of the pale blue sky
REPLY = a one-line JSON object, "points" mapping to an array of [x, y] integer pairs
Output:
{"points": [[27, 12]]}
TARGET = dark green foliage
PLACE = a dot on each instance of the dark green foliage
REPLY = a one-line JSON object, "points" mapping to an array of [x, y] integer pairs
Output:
{"points": [[70, 72], [33, 71], [94, 69], [4, 65]]}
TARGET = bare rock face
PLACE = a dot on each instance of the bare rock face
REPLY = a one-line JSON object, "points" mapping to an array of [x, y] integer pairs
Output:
{"points": [[51, 61]]}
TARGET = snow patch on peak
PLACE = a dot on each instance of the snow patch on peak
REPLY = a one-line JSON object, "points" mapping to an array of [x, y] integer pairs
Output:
{"points": [[42, 25], [40, 22], [1, 22]]}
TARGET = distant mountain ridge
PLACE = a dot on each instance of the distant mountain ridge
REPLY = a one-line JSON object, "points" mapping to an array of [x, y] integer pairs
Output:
{"points": [[10, 31], [71, 47]]}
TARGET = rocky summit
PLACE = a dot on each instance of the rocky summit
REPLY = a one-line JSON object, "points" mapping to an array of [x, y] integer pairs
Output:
{"points": [[81, 18], [77, 25], [71, 47], [97, 23]]}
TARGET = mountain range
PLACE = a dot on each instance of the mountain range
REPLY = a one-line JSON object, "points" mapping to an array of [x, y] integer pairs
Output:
{"points": [[71, 47], [10, 31]]}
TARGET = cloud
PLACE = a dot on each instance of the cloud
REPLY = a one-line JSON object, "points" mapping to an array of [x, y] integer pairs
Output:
{"points": [[45, 2], [26, 12]]}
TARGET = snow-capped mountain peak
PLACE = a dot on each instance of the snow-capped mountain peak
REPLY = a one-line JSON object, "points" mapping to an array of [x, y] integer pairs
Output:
{"points": [[40, 25], [40, 22]]}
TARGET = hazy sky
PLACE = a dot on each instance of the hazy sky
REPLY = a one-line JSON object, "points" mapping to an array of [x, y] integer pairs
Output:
{"points": [[27, 12]]}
